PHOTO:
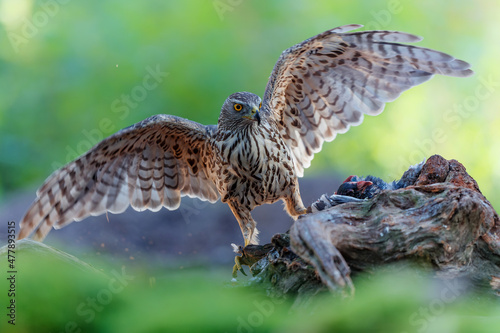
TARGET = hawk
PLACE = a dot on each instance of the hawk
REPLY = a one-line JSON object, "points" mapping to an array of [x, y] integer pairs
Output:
{"points": [[258, 148]]}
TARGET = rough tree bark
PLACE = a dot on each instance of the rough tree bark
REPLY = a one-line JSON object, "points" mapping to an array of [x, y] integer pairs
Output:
{"points": [[442, 222]]}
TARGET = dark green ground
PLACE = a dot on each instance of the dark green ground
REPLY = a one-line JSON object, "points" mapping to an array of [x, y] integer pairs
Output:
{"points": [[55, 292]]}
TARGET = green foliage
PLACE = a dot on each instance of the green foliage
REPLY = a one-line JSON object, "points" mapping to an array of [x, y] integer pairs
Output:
{"points": [[56, 292], [65, 66]]}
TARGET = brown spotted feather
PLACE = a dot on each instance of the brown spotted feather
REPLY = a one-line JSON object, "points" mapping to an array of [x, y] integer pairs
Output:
{"points": [[324, 85], [148, 165]]}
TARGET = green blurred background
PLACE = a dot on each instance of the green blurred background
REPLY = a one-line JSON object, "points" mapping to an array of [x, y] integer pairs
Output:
{"points": [[131, 300], [66, 66]]}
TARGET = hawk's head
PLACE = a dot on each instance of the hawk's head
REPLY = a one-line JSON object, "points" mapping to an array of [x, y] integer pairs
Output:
{"points": [[240, 109]]}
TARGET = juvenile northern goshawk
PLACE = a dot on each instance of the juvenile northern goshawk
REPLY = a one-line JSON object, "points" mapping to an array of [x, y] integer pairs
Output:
{"points": [[255, 153]]}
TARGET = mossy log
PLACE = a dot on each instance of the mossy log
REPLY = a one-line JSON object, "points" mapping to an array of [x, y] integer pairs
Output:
{"points": [[441, 222]]}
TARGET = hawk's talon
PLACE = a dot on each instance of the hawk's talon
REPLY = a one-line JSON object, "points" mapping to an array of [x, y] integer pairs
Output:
{"points": [[237, 267], [249, 255]]}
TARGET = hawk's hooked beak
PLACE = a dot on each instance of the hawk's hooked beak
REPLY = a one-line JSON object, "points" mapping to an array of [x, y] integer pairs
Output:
{"points": [[254, 115]]}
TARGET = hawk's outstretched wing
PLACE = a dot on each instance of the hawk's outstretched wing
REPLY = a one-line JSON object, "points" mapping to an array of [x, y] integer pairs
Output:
{"points": [[324, 85], [148, 165]]}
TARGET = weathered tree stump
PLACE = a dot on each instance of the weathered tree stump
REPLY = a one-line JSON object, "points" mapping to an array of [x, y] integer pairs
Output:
{"points": [[441, 222]]}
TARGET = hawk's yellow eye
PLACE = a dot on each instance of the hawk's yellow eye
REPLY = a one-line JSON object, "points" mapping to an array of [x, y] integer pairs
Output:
{"points": [[238, 107], [260, 105]]}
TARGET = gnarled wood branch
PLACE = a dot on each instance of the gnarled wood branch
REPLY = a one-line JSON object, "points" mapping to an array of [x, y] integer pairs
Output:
{"points": [[441, 221]]}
